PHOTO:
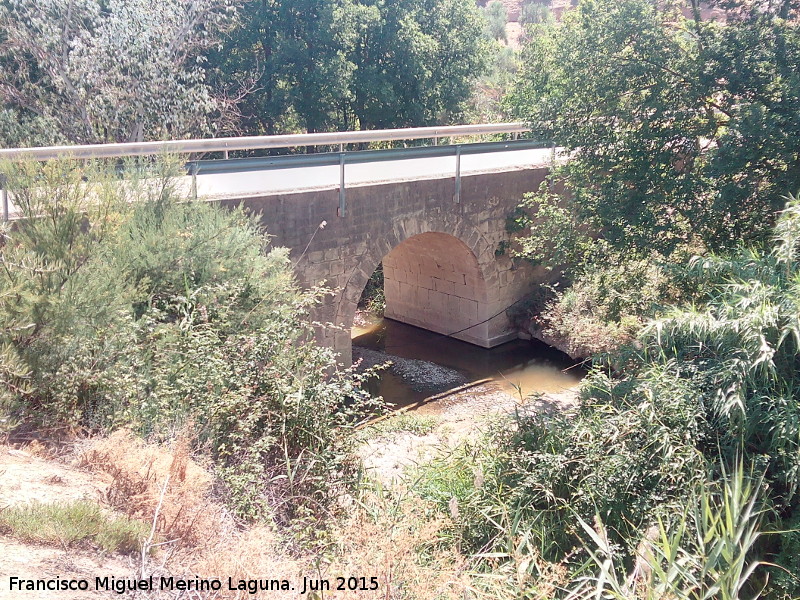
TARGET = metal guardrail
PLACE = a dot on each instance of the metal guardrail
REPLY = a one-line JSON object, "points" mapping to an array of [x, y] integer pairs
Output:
{"points": [[323, 159], [243, 165], [262, 142], [340, 139]]}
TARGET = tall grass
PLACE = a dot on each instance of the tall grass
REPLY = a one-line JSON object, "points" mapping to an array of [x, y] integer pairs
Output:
{"points": [[705, 553]]}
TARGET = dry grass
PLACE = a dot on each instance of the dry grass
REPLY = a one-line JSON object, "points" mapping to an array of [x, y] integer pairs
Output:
{"points": [[394, 540], [202, 539], [392, 537], [253, 553], [397, 539], [138, 472]]}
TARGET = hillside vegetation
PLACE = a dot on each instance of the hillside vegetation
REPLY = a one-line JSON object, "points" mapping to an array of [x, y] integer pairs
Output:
{"points": [[164, 342]]}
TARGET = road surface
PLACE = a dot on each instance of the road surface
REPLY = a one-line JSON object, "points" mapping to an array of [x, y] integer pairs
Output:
{"points": [[282, 180], [291, 179]]}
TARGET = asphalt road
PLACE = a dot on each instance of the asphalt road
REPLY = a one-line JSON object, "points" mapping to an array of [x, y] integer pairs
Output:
{"points": [[240, 185], [283, 180]]}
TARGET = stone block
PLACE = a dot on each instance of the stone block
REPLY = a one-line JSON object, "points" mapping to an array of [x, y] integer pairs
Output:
{"points": [[437, 301], [463, 290], [391, 288], [469, 309], [441, 285], [337, 267], [454, 276]]}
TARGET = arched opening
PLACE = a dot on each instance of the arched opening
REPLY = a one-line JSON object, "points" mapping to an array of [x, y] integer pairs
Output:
{"points": [[433, 281], [435, 296]]}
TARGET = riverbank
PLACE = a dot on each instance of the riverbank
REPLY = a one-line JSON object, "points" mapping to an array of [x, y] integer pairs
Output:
{"points": [[159, 486]]}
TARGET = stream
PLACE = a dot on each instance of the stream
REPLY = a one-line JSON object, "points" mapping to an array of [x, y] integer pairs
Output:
{"points": [[427, 363]]}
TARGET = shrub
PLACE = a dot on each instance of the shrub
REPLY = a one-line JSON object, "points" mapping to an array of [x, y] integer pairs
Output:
{"points": [[373, 298], [535, 13], [707, 552], [147, 479], [496, 20], [606, 306], [132, 306], [622, 459], [739, 351]]}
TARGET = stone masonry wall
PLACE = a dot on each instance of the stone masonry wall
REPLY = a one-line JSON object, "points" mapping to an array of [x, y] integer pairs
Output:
{"points": [[380, 218], [433, 280]]}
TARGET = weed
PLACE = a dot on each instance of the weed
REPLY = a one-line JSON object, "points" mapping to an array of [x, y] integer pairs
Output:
{"points": [[70, 523], [137, 471], [405, 422]]}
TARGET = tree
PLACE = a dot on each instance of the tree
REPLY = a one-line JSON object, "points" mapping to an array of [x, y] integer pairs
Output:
{"points": [[109, 70], [535, 13], [679, 131], [496, 20], [340, 64], [289, 65], [416, 66]]}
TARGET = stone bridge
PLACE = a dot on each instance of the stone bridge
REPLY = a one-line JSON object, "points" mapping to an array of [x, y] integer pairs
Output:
{"points": [[433, 220], [442, 271]]}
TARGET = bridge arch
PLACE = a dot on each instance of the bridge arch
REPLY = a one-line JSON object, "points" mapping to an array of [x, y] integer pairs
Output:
{"points": [[438, 275]]}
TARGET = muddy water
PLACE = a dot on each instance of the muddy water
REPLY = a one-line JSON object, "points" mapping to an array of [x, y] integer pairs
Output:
{"points": [[519, 367]]}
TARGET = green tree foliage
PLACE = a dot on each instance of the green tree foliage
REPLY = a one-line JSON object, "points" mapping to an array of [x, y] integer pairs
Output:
{"points": [[535, 13], [288, 63], [679, 131], [123, 304], [341, 64], [87, 71], [496, 20]]}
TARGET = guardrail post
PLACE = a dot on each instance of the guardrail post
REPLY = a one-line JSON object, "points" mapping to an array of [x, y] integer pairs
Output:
{"points": [[341, 185], [4, 194], [193, 171], [457, 195]]}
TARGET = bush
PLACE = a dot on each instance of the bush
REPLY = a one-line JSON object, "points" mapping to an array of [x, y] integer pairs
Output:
{"points": [[606, 306], [535, 13], [496, 20], [621, 459], [707, 552], [131, 306], [373, 298]]}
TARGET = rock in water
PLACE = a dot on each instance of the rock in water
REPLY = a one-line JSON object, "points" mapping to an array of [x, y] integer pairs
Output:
{"points": [[420, 375]]}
